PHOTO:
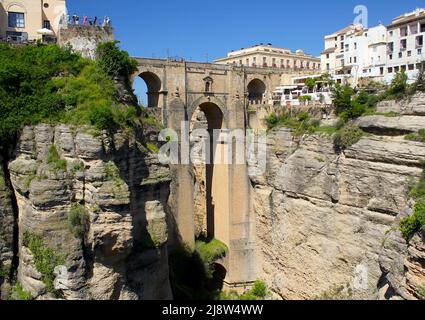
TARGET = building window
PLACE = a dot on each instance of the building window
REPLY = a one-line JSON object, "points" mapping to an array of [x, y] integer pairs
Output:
{"points": [[409, 53], [381, 71], [355, 59], [16, 20], [274, 62], [391, 56], [419, 41], [396, 69], [355, 45], [46, 24], [422, 27], [403, 32], [413, 29], [400, 55], [411, 67], [328, 67], [46, 5], [403, 44], [17, 36], [264, 62], [391, 33], [419, 51], [327, 56], [390, 70], [390, 47]]}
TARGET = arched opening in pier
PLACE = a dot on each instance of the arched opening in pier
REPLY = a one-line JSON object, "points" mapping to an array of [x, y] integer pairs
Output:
{"points": [[210, 175], [147, 87], [256, 91]]}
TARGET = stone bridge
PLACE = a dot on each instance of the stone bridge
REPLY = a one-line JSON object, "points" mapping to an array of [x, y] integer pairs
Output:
{"points": [[177, 91]]}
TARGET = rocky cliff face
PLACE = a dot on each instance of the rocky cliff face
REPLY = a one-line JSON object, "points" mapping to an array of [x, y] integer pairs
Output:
{"points": [[6, 234], [112, 181], [328, 222]]}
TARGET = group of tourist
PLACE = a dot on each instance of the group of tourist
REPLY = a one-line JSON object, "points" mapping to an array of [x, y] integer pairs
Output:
{"points": [[87, 21]]}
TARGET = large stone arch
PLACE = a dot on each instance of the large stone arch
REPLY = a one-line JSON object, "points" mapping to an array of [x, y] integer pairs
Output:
{"points": [[213, 100], [211, 178]]}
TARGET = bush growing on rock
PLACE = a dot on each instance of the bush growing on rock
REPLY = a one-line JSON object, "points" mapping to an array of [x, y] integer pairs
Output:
{"points": [[45, 259], [415, 222], [54, 160], [18, 293], [46, 83], [78, 220], [348, 136]]}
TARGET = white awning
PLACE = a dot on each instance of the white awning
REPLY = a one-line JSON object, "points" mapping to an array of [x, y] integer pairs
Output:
{"points": [[45, 32]]}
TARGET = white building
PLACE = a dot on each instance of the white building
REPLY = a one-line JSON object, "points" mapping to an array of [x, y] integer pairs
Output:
{"points": [[289, 95], [405, 39], [354, 53]]}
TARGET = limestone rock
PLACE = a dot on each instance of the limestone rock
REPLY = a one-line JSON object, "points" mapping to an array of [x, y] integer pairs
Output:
{"points": [[411, 106], [121, 188], [324, 218], [391, 125]]}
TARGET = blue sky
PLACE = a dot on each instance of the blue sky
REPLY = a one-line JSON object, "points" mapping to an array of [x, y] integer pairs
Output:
{"points": [[196, 29], [202, 30]]}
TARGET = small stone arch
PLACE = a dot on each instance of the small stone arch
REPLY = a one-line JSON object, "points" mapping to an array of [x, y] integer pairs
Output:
{"points": [[154, 85], [208, 84], [256, 90]]}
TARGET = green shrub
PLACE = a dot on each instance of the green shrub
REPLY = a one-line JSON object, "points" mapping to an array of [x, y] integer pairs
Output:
{"points": [[310, 83], [5, 271], [272, 120], [45, 258], [305, 98], [259, 289], [398, 87], [54, 160], [348, 136], [78, 220], [418, 190], [415, 222], [113, 61], [342, 96], [18, 293], [52, 84], [419, 137], [257, 292], [209, 252]]}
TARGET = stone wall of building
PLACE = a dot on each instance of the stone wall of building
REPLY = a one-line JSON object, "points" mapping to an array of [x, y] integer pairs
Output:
{"points": [[84, 39]]}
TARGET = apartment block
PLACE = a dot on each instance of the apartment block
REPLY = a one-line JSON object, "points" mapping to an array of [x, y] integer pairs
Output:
{"points": [[405, 40], [354, 53], [267, 56]]}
